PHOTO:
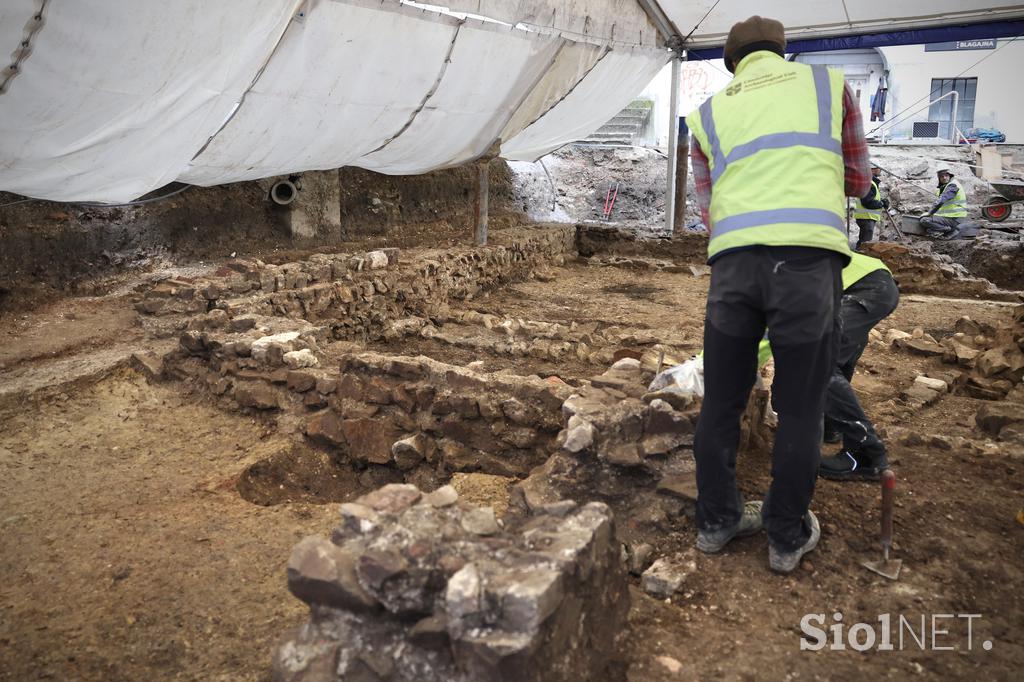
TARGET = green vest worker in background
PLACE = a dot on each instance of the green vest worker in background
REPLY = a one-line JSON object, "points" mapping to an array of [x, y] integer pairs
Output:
{"points": [[869, 296], [776, 261], [949, 211], [867, 210]]}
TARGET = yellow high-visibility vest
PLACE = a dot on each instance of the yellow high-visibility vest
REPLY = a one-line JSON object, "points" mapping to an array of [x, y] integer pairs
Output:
{"points": [[773, 138], [956, 207], [861, 212], [860, 267]]}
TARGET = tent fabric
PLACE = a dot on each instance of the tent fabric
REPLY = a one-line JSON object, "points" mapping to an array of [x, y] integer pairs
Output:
{"points": [[491, 71], [113, 102], [832, 18], [604, 22], [588, 106], [268, 87], [115, 99], [573, 63], [300, 115]]}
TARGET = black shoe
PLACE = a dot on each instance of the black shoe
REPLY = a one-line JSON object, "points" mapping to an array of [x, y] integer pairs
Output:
{"points": [[833, 437], [852, 466]]}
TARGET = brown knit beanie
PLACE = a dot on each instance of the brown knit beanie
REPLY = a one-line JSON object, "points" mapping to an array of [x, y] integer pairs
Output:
{"points": [[755, 30]]}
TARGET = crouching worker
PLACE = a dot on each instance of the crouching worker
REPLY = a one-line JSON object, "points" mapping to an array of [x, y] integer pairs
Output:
{"points": [[949, 210], [869, 296]]}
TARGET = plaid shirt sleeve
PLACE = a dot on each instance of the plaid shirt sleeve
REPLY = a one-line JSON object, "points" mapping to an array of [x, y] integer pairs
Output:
{"points": [[701, 180], [856, 159], [855, 148]]}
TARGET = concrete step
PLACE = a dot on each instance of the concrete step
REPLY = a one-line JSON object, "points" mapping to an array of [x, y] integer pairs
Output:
{"points": [[624, 127]]}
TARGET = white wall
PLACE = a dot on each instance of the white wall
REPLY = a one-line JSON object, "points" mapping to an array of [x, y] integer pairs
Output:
{"points": [[699, 80], [863, 69], [1000, 97]]}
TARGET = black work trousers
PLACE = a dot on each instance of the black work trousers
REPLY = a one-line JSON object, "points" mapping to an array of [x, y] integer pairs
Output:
{"points": [[867, 230], [866, 303], [794, 292]]}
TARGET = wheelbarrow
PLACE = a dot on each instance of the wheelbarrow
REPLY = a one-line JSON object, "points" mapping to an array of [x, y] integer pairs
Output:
{"points": [[997, 209]]}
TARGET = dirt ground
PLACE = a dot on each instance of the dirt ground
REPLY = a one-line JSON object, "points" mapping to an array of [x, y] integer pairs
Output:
{"points": [[129, 548]]}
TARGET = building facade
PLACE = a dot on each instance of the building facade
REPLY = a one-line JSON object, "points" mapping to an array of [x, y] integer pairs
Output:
{"points": [[984, 74]]}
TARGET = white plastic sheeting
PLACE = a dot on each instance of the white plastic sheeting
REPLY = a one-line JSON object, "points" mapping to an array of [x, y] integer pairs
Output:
{"points": [[602, 21], [588, 106], [825, 18], [118, 99], [491, 71], [573, 63], [323, 102]]}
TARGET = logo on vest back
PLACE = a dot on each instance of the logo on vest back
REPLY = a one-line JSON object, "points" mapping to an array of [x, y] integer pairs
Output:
{"points": [[733, 89]]}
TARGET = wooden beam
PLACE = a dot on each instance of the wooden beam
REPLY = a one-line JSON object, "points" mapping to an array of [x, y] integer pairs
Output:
{"points": [[482, 195]]}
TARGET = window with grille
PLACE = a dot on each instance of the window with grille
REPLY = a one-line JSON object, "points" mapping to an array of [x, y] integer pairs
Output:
{"points": [[942, 112]]}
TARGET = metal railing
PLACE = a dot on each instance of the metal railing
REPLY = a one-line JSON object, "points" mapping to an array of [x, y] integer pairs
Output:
{"points": [[955, 133]]}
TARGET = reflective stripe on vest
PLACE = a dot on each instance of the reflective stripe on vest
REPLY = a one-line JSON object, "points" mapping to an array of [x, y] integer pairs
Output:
{"points": [[774, 149], [956, 207], [860, 267], [820, 140], [861, 212]]}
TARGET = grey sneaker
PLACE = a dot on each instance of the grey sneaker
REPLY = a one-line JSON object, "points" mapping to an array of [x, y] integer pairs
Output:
{"points": [[785, 562], [750, 522]]}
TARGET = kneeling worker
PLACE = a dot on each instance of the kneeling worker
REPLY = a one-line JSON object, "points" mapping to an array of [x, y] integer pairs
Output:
{"points": [[869, 296], [949, 210]]}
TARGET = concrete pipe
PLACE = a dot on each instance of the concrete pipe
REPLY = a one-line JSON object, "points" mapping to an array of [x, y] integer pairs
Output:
{"points": [[283, 192]]}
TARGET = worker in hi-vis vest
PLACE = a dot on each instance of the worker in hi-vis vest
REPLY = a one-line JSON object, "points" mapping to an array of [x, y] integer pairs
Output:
{"points": [[867, 210], [950, 209], [869, 296], [776, 261]]}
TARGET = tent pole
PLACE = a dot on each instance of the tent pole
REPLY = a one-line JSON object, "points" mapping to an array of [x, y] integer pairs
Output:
{"points": [[673, 137], [483, 190], [661, 21]]}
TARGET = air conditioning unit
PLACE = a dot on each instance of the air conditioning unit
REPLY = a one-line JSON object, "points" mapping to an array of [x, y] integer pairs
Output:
{"points": [[926, 128]]}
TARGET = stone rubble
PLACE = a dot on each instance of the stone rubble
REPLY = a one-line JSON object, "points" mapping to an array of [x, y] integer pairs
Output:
{"points": [[988, 364], [918, 270], [516, 337], [666, 576], [408, 589], [272, 339]]}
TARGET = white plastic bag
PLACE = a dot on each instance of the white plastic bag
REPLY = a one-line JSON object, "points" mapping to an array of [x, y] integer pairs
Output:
{"points": [[686, 378]]}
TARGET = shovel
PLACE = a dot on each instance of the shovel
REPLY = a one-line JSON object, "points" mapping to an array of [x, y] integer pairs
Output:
{"points": [[887, 568]]}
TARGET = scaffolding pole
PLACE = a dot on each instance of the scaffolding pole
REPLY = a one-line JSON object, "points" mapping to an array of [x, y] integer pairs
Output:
{"points": [[673, 140]]}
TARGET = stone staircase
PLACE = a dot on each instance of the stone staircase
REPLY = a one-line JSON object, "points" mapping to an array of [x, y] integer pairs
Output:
{"points": [[626, 127]]}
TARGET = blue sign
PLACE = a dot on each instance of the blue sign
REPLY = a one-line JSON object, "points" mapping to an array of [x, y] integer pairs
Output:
{"points": [[956, 45]]}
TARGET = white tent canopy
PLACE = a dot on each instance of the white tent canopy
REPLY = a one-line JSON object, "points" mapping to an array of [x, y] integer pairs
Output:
{"points": [[105, 100], [116, 99]]}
